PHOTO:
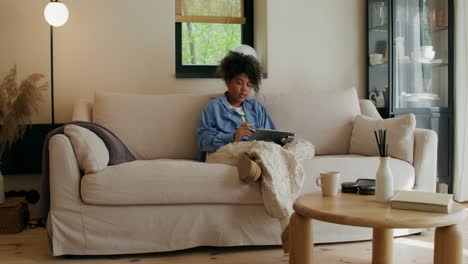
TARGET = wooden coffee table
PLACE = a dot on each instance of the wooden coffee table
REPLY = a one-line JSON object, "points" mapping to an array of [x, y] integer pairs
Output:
{"points": [[362, 210]]}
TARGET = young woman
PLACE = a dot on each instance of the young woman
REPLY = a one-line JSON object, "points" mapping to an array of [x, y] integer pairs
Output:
{"points": [[229, 120]]}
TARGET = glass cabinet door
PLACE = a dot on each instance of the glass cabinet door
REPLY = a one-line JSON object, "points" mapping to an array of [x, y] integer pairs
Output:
{"points": [[420, 48], [378, 60], [410, 67]]}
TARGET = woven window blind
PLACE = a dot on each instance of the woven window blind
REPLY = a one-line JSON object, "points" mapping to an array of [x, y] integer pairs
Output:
{"points": [[210, 11]]}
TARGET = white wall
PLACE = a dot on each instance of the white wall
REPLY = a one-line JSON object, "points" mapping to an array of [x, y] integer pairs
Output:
{"points": [[128, 46], [24, 41], [316, 44]]}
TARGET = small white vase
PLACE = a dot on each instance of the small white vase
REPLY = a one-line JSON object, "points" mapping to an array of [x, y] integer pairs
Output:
{"points": [[384, 181], [2, 189]]}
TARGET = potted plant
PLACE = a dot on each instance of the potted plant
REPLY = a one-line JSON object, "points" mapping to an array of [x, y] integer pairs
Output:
{"points": [[18, 104]]}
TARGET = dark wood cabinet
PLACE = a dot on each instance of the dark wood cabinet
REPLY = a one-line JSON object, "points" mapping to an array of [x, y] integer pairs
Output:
{"points": [[410, 67]]}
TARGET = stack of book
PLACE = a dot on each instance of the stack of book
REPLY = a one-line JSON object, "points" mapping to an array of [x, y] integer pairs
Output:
{"points": [[422, 201]]}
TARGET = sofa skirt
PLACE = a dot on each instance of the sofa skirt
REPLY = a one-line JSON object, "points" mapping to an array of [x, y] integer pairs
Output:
{"points": [[109, 230]]}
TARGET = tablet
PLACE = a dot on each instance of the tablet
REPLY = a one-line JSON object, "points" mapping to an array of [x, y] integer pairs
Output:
{"points": [[270, 135]]}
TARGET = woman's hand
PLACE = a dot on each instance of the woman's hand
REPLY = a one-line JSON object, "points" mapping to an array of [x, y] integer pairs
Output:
{"points": [[287, 140], [245, 129]]}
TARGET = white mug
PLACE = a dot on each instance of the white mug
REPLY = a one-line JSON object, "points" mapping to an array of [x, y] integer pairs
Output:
{"points": [[330, 183]]}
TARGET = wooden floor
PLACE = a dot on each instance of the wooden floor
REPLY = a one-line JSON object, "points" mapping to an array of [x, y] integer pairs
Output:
{"points": [[30, 246]]}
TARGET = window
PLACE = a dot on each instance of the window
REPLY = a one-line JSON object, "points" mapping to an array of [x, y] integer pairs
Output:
{"points": [[206, 30]]}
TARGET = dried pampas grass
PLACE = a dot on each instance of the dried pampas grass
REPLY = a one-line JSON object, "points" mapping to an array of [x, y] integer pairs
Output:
{"points": [[18, 104]]}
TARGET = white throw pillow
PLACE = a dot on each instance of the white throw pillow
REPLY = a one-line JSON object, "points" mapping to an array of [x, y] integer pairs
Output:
{"points": [[400, 136], [90, 150]]}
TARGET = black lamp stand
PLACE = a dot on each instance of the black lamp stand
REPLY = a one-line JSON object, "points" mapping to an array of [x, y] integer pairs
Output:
{"points": [[52, 75]]}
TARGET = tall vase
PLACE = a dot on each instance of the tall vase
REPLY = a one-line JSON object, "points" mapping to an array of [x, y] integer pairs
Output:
{"points": [[2, 189], [384, 181]]}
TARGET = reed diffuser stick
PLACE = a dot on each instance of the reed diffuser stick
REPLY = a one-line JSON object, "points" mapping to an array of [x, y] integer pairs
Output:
{"points": [[377, 140], [381, 139]]}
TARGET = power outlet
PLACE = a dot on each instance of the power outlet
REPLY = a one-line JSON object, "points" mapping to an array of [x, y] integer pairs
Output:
{"points": [[442, 188]]}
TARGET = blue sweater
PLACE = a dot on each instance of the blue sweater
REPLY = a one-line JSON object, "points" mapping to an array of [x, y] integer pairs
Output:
{"points": [[219, 123]]}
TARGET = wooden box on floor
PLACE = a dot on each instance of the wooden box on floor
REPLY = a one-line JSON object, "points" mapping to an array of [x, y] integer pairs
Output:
{"points": [[13, 215]]}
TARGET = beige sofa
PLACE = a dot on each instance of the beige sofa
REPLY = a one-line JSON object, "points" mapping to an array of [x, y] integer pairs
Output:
{"points": [[166, 200]]}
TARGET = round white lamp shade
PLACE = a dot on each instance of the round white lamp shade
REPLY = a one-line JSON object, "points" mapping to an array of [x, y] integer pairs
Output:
{"points": [[56, 14]]}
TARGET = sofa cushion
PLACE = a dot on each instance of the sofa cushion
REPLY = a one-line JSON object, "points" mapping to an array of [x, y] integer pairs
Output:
{"points": [[152, 126], [163, 126], [90, 151], [325, 118], [166, 181], [189, 182], [400, 136]]}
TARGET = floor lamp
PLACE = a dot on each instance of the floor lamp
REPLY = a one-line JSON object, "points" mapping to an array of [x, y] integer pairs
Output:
{"points": [[56, 14]]}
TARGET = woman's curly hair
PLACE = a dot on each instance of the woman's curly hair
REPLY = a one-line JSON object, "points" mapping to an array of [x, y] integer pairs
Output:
{"points": [[236, 63]]}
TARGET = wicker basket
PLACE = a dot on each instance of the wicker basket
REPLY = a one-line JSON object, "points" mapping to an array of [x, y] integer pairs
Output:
{"points": [[14, 215]]}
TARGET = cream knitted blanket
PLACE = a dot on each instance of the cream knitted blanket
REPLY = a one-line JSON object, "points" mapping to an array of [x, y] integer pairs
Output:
{"points": [[282, 171]]}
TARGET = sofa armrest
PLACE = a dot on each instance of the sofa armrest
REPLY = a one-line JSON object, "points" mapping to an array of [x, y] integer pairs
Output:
{"points": [[65, 199], [425, 159], [368, 108], [83, 110], [65, 176]]}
